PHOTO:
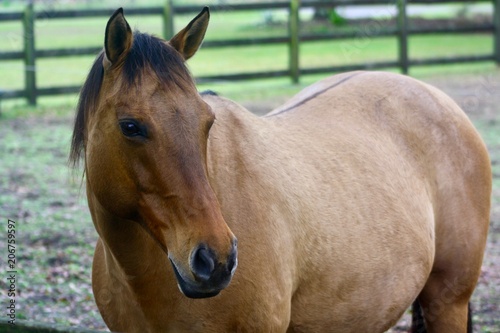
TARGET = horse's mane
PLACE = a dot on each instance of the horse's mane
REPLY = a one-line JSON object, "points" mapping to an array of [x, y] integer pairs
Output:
{"points": [[147, 52]]}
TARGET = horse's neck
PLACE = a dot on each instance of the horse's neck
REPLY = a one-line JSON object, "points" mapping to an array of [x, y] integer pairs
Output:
{"points": [[125, 242], [126, 264], [244, 152]]}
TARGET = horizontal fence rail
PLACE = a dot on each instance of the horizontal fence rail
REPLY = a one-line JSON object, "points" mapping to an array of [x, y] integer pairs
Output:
{"points": [[294, 37]]}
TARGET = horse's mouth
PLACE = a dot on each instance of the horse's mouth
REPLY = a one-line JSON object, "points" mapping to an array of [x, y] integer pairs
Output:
{"points": [[192, 290]]}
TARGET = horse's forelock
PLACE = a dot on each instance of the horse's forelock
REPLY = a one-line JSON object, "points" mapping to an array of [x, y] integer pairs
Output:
{"points": [[149, 52]]}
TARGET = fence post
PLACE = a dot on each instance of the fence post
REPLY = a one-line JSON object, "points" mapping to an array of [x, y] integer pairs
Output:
{"points": [[403, 36], [29, 53], [293, 31], [168, 20], [496, 24]]}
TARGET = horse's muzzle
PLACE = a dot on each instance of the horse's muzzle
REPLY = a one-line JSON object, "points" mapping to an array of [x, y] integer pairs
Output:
{"points": [[208, 275]]}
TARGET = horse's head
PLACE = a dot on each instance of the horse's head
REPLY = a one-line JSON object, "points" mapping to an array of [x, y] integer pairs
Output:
{"points": [[144, 129]]}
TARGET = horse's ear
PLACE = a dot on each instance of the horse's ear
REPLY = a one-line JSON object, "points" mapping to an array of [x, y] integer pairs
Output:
{"points": [[118, 38], [188, 40]]}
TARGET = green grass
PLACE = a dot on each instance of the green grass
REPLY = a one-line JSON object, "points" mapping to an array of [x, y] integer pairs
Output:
{"points": [[55, 240]]}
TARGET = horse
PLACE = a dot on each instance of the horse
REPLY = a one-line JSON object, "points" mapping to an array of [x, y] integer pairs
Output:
{"points": [[364, 193]]}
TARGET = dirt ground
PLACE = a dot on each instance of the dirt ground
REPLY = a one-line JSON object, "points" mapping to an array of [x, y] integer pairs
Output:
{"points": [[56, 235]]}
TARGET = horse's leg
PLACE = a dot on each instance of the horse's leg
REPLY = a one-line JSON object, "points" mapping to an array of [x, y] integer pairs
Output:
{"points": [[460, 240], [445, 305], [417, 318], [418, 323], [470, 328]]}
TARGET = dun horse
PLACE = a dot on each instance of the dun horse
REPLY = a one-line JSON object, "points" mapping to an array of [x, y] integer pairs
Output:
{"points": [[333, 213]]}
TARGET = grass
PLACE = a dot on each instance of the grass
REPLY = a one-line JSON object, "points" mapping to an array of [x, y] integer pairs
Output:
{"points": [[41, 195]]}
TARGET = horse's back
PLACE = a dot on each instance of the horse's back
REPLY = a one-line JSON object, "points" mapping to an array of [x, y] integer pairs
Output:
{"points": [[384, 101]]}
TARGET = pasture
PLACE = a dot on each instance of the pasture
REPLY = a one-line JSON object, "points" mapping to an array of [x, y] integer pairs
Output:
{"points": [[38, 190]]}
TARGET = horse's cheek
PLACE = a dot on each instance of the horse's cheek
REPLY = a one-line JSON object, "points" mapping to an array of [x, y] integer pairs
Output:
{"points": [[109, 181]]}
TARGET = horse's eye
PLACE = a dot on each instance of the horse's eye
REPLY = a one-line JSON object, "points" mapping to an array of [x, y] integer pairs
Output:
{"points": [[131, 128]]}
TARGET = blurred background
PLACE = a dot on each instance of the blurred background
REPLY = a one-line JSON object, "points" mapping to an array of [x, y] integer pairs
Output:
{"points": [[258, 53]]}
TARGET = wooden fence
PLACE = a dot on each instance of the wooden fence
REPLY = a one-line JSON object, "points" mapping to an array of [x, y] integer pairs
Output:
{"points": [[294, 36]]}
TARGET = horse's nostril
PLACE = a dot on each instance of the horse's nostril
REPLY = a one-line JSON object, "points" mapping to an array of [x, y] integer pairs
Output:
{"points": [[203, 264]]}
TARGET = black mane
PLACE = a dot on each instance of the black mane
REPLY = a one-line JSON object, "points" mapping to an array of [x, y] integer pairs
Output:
{"points": [[147, 52]]}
